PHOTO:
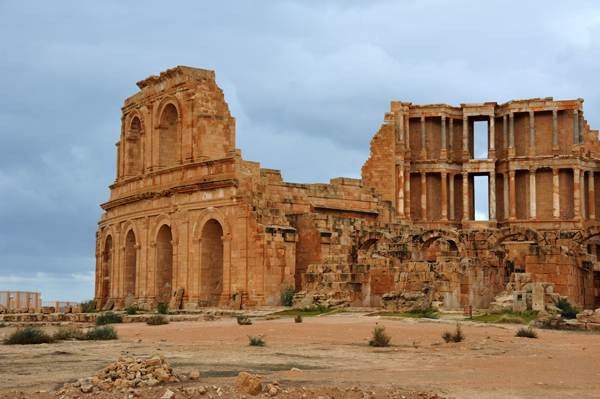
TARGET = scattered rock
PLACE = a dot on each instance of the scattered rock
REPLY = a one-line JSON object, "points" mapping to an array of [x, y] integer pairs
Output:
{"points": [[168, 394], [194, 375], [249, 383]]}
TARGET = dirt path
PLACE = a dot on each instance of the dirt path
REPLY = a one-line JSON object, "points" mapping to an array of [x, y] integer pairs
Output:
{"points": [[332, 351]]}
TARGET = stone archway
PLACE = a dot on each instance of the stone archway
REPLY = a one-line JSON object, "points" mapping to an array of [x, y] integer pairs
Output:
{"points": [[211, 263], [499, 236], [130, 268], [427, 238], [164, 264], [167, 151], [133, 156]]}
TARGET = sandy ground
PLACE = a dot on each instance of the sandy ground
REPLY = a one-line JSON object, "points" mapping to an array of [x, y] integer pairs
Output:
{"points": [[329, 351]]}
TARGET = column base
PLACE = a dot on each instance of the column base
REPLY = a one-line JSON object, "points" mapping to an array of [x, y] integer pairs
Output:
{"points": [[555, 149], [466, 155], [512, 152], [491, 154], [423, 154], [575, 149], [443, 155], [531, 152]]}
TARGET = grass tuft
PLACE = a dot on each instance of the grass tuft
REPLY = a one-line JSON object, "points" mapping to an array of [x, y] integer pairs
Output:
{"points": [[132, 310], [257, 341], [244, 320], [507, 319], [298, 318], [287, 295], [108, 318], [457, 336], [28, 336], [380, 337], [69, 332], [2, 325], [88, 306], [157, 320], [103, 333], [526, 332], [308, 311], [506, 316]]}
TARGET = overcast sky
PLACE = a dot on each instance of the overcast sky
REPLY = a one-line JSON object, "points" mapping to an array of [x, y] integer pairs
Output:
{"points": [[308, 82]]}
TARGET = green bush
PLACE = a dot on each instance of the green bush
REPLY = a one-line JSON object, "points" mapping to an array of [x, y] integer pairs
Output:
{"points": [[457, 336], [163, 308], [287, 295], [2, 325], [103, 333], [244, 320], [28, 336], [298, 318], [567, 311], [157, 320], [526, 332], [88, 306], [70, 332], [380, 337], [257, 341], [132, 310], [108, 318]]}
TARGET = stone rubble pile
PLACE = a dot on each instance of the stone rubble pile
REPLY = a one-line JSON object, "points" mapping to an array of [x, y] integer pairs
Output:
{"points": [[131, 372]]}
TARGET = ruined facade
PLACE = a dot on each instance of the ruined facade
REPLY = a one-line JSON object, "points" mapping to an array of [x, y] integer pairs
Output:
{"points": [[188, 214]]}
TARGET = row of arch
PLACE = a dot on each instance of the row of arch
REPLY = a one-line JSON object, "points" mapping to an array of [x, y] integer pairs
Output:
{"points": [[120, 281], [168, 128]]}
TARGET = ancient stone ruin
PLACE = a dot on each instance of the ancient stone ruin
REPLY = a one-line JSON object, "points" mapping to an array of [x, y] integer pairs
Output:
{"points": [[191, 223]]}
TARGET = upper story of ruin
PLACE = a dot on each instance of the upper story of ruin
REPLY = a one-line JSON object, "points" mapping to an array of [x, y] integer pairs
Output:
{"points": [[425, 157]]}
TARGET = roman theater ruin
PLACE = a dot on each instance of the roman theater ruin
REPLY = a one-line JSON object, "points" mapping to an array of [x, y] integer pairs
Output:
{"points": [[191, 223]]}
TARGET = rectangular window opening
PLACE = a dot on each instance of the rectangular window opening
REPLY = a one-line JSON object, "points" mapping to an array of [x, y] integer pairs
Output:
{"points": [[481, 186], [480, 139]]}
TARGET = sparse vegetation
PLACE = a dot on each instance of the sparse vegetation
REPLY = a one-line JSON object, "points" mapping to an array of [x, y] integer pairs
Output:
{"points": [[69, 332], [428, 313], [108, 318], [567, 310], [163, 308], [287, 295], [102, 333], [157, 320], [272, 317], [506, 316], [457, 336], [2, 325], [28, 336], [526, 333], [88, 306], [244, 320], [132, 310], [308, 311], [257, 341], [298, 318], [380, 337]]}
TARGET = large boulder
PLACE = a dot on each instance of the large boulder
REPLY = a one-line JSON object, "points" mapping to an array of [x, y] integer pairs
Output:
{"points": [[249, 383]]}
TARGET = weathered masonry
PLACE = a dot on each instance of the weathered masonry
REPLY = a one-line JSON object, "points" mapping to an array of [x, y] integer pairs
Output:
{"points": [[188, 216]]}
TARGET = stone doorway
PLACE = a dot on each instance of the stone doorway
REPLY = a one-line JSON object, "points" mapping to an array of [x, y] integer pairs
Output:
{"points": [[164, 264], [107, 256], [130, 268], [211, 267]]}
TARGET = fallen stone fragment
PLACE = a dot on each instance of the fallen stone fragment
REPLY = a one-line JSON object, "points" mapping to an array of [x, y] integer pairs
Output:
{"points": [[249, 383]]}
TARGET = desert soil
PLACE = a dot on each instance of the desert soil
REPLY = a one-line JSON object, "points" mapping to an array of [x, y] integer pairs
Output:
{"points": [[326, 356]]}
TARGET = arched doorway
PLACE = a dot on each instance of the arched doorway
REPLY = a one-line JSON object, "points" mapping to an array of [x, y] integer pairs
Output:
{"points": [[164, 264], [167, 153], [211, 263], [107, 257], [130, 266]]}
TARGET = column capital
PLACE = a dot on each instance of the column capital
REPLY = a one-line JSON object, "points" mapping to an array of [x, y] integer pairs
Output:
{"points": [[533, 169]]}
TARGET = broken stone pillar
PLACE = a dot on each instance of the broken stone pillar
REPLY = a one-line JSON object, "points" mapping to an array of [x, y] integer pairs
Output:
{"points": [[519, 301], [538, 302], [175, 303]]}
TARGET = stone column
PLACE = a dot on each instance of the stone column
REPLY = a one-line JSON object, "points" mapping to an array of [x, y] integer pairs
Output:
{"points": [[591, 196], [400, 127], [576, 193], [581, 128], [582, 193], [451, 138], [443, 151], [423, 152], [575, 132], [492, 196], [531, 134], [492, 138], [555, 194], [465, 146], [465, 177], [505, 132], [444, 196], [407, 136], [511, 134], [513, 196], [401, 190], [555, 148], [532, 196], [407, 194], [506, 199], [423, 196], [451, 190]]}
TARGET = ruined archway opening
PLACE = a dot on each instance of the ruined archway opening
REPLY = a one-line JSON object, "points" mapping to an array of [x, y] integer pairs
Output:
{"points": [[167, 152], [439, 247], [130, 268], [211, 265], [133, 148], [481, 186], [164, 264], [107, 257]]}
